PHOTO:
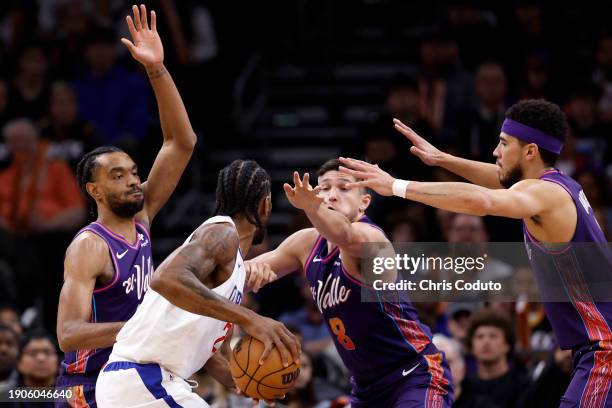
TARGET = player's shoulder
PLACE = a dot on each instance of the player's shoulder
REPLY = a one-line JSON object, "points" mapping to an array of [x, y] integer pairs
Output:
{"points": [[305, 237], [540, 187], [87, 254], [86, 243], [218, 237], [370, 231]]}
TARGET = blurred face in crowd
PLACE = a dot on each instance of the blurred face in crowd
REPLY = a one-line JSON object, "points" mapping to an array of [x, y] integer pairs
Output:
{"points": [[305, 372], [100, 56], [8, 352], [33, 62], [509, 153], [380, 150], [491, 86], [403, 101], [117, 184], [589, 186], [437, 55], [63, 104], [38, 362], [352, 203], [454, 359], [403, 232], [489, 345], [467, 228], [583, 111], [21, 137], [459, 325], [10, 317]]}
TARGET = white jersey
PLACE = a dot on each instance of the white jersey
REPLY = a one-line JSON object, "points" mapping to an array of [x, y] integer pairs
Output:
{"points": [[179, 341]]}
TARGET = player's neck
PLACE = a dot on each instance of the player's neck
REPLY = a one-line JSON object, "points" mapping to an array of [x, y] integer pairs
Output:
{"points": [[490, 371], [536, 171], [120, 226], [246, 232]]}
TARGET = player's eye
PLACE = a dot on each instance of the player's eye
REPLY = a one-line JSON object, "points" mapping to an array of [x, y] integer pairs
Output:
{"points": [[118, 176]]}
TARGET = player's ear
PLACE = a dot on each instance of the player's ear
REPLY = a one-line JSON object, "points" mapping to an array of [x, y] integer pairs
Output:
{"points": [[265, 206], [532, 151], [366, 199], [93, 190]]}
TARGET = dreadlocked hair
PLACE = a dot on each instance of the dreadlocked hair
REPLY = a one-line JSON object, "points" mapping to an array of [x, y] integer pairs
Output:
{"points": [[240, 188], [85, 169]]}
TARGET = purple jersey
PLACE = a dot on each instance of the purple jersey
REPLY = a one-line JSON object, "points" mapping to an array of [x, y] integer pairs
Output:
{"points": [[117, 300], [581, 319], [374, 339]]}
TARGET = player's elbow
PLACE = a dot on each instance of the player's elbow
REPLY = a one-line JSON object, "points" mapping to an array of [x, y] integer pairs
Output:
{"points": [[483, 205], [65, 340], [188, 143]]}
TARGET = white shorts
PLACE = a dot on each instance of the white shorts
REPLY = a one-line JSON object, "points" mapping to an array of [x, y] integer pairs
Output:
{"points": [[123, 384]]}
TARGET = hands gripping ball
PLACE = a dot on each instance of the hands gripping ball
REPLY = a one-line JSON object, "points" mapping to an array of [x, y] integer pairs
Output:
{"points": [[268, 381]]}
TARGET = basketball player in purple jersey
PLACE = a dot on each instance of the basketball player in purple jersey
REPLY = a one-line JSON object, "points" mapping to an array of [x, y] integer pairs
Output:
{"points": [[108, 265], [387, 350], [523, 184]]}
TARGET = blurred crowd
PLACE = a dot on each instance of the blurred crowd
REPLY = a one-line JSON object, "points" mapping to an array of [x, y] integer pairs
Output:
{"points": [[68, 85]]}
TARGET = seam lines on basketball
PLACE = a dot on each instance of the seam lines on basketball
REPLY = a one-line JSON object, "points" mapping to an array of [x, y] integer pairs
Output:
{"points": [[246, 387], [259, 381], [238, 365]]}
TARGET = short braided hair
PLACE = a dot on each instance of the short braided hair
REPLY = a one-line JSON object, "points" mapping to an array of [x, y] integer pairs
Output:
{"points": [[240, 188]]}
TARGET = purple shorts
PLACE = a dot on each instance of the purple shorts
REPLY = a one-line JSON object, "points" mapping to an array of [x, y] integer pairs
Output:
{"points": [[83, 391], [427, 384], [591, 379]]}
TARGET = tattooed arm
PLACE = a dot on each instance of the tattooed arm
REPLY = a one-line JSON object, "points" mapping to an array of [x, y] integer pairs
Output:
{"points": [[185, 278]]}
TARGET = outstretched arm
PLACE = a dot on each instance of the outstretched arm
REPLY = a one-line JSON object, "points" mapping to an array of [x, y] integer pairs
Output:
{"points": [[524, 200], [179, 137], [333, 225], [85, 260], [482, 174], [180, 279]]}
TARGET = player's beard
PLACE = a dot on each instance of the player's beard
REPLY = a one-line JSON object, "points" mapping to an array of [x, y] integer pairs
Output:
{"points": [[260, 234], [515, 174], [125, 208]]}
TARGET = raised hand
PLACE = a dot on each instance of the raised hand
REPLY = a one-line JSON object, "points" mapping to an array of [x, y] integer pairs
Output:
{"points": [[146, 46], [428, 153], [368, 176], [302, 195]]}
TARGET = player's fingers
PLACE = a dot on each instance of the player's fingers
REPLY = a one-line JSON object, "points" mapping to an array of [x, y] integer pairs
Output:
{"points": [[293, 343], [137, 21], [143, 17], [355, 173], [296, 180], [288, 190], [279, 342], [358, 184], [306, 181], [268, 343], [131, 28], [153, 21], [355, 164], [129, 44]]}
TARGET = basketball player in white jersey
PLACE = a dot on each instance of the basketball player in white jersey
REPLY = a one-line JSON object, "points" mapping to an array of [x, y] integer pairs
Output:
{"points": [[184, 320]]}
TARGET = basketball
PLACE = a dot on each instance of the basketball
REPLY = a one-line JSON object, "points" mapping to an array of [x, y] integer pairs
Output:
{"points": [[267, 381]]}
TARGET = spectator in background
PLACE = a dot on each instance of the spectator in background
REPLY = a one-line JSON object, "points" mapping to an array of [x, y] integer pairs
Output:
{"points": [[9, 351], [594, 186], [491, 88], [491, 339], [41, 207], [37, 194], [452, 351], [445, 89], [10, 317], [551, 378], [537, 78], [38, 360], [459, 319], [70, 137], [602, 76], [113, 99], [30, 87]]}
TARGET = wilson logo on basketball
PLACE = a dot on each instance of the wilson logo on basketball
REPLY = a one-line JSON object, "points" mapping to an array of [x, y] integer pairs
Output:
{"points": [[289, 378]]}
